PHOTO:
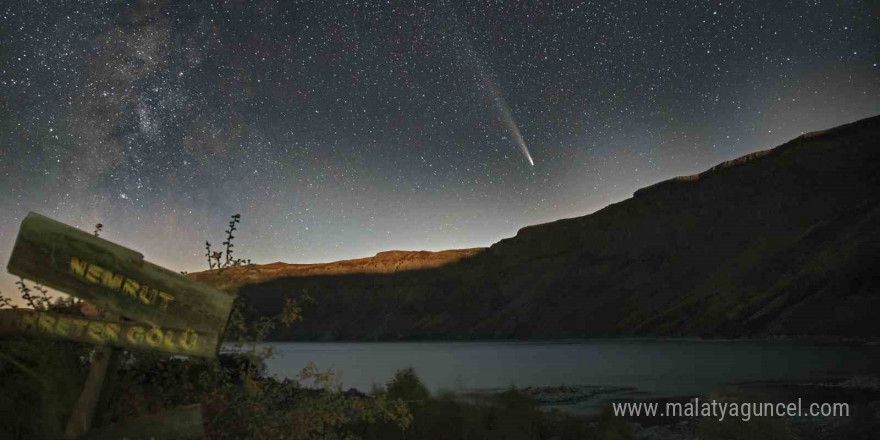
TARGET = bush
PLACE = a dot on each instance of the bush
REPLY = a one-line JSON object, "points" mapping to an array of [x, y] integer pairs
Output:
{"points": [[408, 387], [41, 381], [509, 415]]}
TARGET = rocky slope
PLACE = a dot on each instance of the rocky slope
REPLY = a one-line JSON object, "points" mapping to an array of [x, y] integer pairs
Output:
{"points": [[780, 242], [382, 263]]}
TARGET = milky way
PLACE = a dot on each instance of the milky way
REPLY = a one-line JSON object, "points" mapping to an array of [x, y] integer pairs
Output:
{"points": [[342, 129]]}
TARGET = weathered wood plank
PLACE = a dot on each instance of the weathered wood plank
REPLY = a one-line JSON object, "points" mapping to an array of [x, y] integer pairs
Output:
{"points": [[111, 383], [101, 371], [118, 278], [81, 419], [184, 423], [125, 334]]}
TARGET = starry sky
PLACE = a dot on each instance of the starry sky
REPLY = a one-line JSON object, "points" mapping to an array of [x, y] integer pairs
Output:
{"points": [[341, 129]]}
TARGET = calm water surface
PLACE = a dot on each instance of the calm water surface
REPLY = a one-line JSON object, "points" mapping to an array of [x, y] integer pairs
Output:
{"points": [[649, 368]]}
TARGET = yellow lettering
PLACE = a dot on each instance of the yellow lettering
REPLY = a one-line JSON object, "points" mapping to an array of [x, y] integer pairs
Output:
{"points": [[131, 287], [166, 298], [154, 337], [78, 267], [63, 326], [111, 280], [96, 331], [189, 339], [111, 331], [148, 294], [168, 340], [29, 321], [98, 275], [47, 323], [93, 274], [135, 335]]}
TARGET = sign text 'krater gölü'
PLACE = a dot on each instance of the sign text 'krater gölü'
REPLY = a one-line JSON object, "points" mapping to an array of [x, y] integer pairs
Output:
{"points": [[173, 312]]}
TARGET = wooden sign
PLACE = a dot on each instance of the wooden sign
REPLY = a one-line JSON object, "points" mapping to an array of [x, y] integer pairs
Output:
{"points": [[118, 278], [184, 423], [171, 313], [130, 334]]}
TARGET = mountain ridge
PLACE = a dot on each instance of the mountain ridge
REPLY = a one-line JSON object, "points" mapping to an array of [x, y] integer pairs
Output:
{"points": [[777, 242]]}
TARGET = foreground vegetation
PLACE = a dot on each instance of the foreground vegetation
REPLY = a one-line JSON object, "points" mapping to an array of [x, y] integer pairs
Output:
{"points": [[41, 380]]}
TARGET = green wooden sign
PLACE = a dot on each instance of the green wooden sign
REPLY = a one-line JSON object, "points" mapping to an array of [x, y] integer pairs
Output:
{"points": [[171, 313], [184, 423], [128, 334], [118, 278]]}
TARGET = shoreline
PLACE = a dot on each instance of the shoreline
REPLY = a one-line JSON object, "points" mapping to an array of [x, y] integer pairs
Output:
{"points": [[818, 340], [860, 392]]}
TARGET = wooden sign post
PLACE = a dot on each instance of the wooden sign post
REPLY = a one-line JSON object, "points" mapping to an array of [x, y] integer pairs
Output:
{"points": [[84, 411], [108, 275], [168, 311]]}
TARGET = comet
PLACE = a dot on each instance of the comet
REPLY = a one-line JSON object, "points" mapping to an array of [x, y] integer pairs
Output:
{"points": [[506, 117], [481, 69]]}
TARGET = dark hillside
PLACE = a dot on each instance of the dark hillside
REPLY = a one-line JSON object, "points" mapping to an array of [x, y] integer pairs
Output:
{"points": [[780, 242]]}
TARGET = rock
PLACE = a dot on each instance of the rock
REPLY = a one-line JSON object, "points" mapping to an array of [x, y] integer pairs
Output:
{"points": [[387, 262], [864, 382], [656, 433]]}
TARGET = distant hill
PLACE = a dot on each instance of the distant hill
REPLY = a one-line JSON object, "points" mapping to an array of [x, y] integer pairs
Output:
{"points": [[779, 242]]}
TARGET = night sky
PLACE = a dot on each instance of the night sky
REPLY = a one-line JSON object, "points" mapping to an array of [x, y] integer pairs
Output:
{"points": [[339, 130]]}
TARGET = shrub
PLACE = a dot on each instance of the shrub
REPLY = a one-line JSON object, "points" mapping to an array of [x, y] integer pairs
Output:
{"points": [[510, 415], [408, 387]]}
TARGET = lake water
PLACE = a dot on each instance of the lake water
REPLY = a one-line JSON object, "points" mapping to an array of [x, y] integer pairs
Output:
{"points": [[640, 368]]}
